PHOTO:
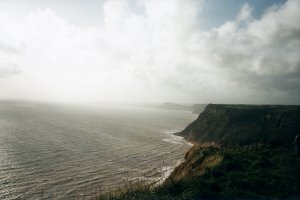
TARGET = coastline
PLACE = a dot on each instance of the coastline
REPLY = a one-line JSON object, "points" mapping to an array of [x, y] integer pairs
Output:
{"points": [[164, 171], [168, 172], [156, 177]]}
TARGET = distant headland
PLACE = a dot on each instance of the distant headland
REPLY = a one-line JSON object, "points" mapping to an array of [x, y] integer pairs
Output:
{"points": [[195, 108]]}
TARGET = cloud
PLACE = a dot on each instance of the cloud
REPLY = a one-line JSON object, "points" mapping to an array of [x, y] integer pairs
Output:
{"points": [[263, 55], [155, 51], [245, 14], [5, 48], [9, 70]]}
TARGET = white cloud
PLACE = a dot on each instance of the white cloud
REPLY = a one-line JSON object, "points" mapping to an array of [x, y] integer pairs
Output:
{"points": [[154, 51], [245, 14], [9, 70]]}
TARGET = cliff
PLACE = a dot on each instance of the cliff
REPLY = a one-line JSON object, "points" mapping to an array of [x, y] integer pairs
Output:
{"points": [[245, 124]]}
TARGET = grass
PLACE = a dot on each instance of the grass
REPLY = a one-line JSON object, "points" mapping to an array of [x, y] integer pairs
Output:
{"points": [[212, 172]]}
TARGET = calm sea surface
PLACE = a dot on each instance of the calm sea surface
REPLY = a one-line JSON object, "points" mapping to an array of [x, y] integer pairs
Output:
{"points": [[67, 152]]}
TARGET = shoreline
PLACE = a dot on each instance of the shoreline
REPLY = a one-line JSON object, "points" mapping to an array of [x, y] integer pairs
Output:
{"points": [[153, 180], [168, 172], [165, 170]]}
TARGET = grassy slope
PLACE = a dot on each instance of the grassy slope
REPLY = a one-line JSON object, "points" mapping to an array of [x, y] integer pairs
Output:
{"points": [[228, 172], [245, 172]]}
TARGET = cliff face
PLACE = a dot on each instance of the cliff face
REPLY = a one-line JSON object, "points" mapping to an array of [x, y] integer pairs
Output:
{"points": [[245, 124]]}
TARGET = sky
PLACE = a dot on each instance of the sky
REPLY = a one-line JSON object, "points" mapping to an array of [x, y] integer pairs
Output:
{"points": [[141, 51]]}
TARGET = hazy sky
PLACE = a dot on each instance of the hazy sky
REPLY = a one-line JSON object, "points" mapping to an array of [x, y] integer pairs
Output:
{"points": [[150, 51]]}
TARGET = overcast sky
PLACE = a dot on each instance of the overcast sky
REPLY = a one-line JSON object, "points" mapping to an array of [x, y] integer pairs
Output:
{"points": [[187, 51]]}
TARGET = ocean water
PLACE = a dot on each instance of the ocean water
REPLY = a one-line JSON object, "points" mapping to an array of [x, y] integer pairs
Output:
{"points": [[78, 151]]}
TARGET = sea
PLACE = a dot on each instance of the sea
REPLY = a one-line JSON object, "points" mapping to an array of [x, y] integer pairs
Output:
{"points": [[78, 151]]}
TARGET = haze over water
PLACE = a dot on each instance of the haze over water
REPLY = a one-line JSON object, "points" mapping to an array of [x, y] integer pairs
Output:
{"points": [[58, 151]]}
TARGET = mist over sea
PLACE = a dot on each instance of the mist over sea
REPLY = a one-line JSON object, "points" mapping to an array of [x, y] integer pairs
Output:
{"points": [[64, 151]]}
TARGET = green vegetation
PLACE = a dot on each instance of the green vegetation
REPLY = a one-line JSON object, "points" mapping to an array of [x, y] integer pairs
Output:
{"points": [[259, 172], [243, 172]]}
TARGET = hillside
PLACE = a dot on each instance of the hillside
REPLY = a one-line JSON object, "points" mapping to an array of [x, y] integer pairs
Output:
{"points": [[236, 172], [245, 124]]}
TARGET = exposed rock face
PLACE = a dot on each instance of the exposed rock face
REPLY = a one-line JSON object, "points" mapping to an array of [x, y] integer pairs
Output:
{"points": [[245, 124]]}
